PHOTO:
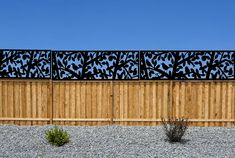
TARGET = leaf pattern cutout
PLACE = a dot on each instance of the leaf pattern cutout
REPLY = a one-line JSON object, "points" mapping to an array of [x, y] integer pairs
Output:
{"points": [[183, 65], [117, 65], [25, 64], [95, 65]]}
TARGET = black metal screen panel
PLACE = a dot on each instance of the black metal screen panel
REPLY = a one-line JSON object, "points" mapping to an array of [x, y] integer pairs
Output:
{"points": [[25, 64], [186, 65], [89, 65], [117, 65]]}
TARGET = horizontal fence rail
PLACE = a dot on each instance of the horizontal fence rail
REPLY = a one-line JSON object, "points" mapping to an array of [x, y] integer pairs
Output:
{"points": [[117, 65]]}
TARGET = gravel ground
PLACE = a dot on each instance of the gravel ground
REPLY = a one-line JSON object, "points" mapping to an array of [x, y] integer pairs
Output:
{"points": [[116, 141]]}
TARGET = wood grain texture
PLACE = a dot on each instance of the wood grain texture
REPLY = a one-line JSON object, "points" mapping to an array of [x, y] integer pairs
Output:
{"points": [[81, 100], [22, 100], [141, 101], [29, 102], [208, 101]]}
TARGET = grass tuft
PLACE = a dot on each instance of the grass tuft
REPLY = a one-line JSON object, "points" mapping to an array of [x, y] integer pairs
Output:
{"points": [[57, 136]]}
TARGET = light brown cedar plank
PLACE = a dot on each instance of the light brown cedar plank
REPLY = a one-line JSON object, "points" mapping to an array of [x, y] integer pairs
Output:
{"points": [[23, 102], [34, 102], [177, 105], [212, 103], [66, 102], [4, 101], [93, 102], [155, 103], [83, 101], [72, 102], [147, 99], [10, 100], [202, 106], [182, 100], [130, 101], [45, 95], [116, 100], [39, 102], [120, 88], [125, 93], [88, 102], [233, 104], [28, 101], [159, 100], [230, 96], [165, 100], [150, 110], [188, 100], [109, 113], [16, 102], [1, 99], [207, 101], [77, 101], [105, 104], [218, 103], [224, 108], [56, 100], [62, 103], [142, 101], [99, 101], [49, 107], [137, 101]]}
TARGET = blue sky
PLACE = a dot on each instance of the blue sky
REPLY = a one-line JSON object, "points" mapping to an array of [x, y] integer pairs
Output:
{"points": [[117, 24]]}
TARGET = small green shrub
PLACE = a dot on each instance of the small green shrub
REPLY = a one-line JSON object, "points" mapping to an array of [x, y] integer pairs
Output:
{"points": [[57, 136], [175, 128]]}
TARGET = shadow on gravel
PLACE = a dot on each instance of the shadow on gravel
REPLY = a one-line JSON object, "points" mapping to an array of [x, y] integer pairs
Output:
{"points": [[183, 141]]}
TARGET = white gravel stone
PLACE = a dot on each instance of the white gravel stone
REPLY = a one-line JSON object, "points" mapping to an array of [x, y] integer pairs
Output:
{"points": [[116, 141]]}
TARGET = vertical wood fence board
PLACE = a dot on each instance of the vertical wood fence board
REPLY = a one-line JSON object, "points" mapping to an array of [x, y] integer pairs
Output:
{"points": [[73, 102], [141, 103], [77, 101], [1, 105], [99, 102], [46, 97], [117, 100], [34, 102], [83, 102], [28, 102], [4, 100]]}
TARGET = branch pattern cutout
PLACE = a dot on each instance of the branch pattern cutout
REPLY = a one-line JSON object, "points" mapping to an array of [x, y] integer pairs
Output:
{"points": [[95, 65], [117, 65], [25, 64], [187, 65]]}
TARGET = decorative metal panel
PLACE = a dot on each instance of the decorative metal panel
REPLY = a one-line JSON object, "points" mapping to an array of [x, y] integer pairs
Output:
{"points": [[117, 65], [186, 65], [25, 64], [88, 65]]}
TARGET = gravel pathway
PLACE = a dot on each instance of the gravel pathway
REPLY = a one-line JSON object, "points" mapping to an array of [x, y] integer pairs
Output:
{"points": [[116, 141]]}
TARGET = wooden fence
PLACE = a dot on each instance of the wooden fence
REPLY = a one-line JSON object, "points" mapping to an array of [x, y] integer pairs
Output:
{"points": [[39, 102]]}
